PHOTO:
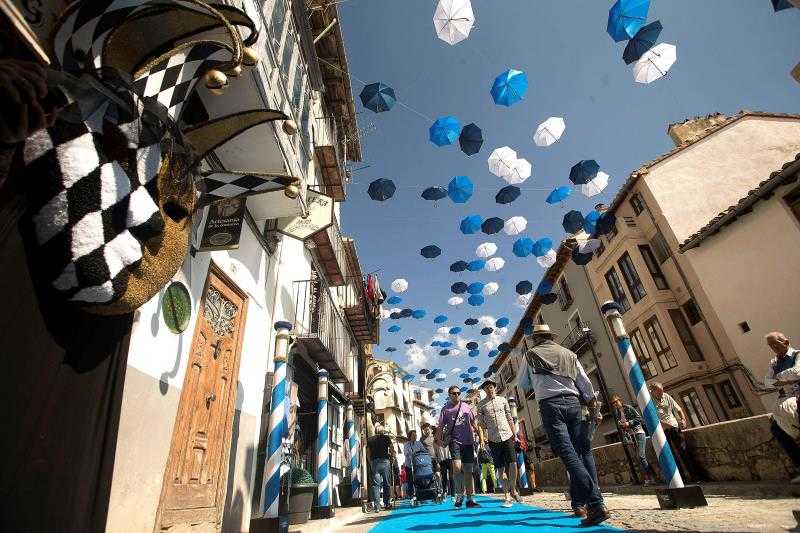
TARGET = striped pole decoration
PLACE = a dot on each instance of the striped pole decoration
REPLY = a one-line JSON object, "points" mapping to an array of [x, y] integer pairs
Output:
{"points": [[612, 311], [352, 450], [277, 424], [523, 474], [323, 455]]}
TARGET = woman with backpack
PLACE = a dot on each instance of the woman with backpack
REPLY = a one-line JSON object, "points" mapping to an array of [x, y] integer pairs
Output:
{"points": [[633, 431]]}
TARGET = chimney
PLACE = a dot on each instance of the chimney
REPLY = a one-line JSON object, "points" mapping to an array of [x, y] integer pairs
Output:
{"points": [[690, 129]]}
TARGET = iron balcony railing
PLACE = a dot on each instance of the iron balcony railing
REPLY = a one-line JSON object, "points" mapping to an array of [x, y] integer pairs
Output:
{"points": [[334, 168], [363, 312], [579, 338]]}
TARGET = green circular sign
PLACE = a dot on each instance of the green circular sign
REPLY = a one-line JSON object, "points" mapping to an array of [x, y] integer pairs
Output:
{"points": [[176, 307]]}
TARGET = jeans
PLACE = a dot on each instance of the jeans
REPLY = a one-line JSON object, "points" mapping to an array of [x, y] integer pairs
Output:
{"points": [[569, 439], [641, 447], [381, 477], [788, 444], [686, 465]]}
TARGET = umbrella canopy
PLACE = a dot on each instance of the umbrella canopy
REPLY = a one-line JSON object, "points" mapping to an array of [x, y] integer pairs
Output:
{"points": [[515, 225], [487, 331], [580, 258], [606, 224], [410, 341], [476, 300], [558, 195], [507, 194], [548, 259], [455, 330], [504, 347], [588, 246], [458, 266], [520, 171], [495, 263], [476, 287], [444, 130], [423, 371], [501, 161], [544, 287], [549, 298], [381, 189], [405, 313], [490, 288], [573, 222], [472, 369], [595, 186], [472, 345], [439, 391], [583, 171], [492, 225], [524, 287], [435, 343], [502, 322], [440, 319], [493, 353], [391, 349], [378, 97], [655, 63], [474, 353], [470, 224], [399, 285], [434, 193], [509, 87], [458, 287], [476, 265], [419, 313], [643, 41], [524, 299], [460, 189], [779, 5], [394, 300], [590, 222], [453, 20], [486, 249], [626, 17], [431, 251], [394, 329], [523, 247], [471, 321], [455, 300], [445, 344], [396, 315], [549, 131], [471, 139]]}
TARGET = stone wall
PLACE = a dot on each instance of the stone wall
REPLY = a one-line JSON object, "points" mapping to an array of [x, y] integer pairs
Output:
{"points": [[738, 450]]}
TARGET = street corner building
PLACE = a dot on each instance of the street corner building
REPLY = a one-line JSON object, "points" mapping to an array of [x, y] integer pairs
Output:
{"points": [[143, 398]]}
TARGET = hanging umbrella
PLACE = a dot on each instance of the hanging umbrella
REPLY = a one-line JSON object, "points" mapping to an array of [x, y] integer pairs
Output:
{"points": [[471, 139], [502, 322], [626, 17], [453, 20], [455, 330], [472, 369], [550, 298], [381, 189], [394, 329], [458, 288], [493, 353], [394, 300], [515, 225], [396, 315], [378, 97], [435, 343], [590, 222], [544, 287], [524, 287], [423, 371], [474, 353], [501, 161], [471, 321], [643, 41], [487, 249], [445, 344], [490, 288], [588, 246], [476, 265], [455, 300], [431, 251], [487, 331], [444, 131], [495, 263], [580, 258], [439, 319], [399, 285], [527, 325], [476, 300], [523, 247], [434, 193], [476, 287], [504, 347], [458, 266], [548, 259], [410, 341], [460, 189], [442, 330], [520, 171], [549, 131], [595, 186], [606, 224], [472, 345], [509, 87], [558, 195], [779, 5], [470, 224], [405, 313], [419, 313], [391, 349], [524, 300], [492, 225], [507, 194], [573, 222], [583, 171], [655, 63]]}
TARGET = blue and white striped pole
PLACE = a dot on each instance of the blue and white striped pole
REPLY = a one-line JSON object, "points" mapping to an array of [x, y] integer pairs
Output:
{"points": [[323, 454], [521, 471], [352, 446], [277, 424], [612, 311]]}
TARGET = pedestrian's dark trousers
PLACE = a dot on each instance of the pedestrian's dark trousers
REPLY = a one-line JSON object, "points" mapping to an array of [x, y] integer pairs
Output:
{"points": [[447, 476], [584, 449], [683, 457], [381, 479], [788, 444], [568, 436]]}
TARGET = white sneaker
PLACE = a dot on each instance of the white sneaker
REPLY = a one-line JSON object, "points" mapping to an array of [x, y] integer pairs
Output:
{"points": [[507, 503]]}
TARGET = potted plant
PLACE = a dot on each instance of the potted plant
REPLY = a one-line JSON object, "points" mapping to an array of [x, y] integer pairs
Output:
{"points": [[301, 495]]}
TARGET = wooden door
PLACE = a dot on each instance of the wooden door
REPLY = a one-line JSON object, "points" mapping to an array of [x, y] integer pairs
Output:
{"points": [[193, 491]]}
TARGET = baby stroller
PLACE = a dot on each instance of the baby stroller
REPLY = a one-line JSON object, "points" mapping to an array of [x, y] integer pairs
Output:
{"points": [[424, 477]]}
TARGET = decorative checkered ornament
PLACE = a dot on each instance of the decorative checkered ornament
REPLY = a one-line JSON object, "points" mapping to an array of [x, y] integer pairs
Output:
{"points": [[221, 185]]}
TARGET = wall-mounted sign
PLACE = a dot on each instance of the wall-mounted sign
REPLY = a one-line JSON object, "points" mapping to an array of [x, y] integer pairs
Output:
{"points": [[223, 225], [319, 217]]}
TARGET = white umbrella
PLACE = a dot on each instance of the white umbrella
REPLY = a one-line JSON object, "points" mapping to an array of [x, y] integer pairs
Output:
{"points": [[588, 246], [487, 249], [444, 330], [442, 375], [501, 161], [596, 185], [520, 171], [655, 63], [515, 225], [395, 310], [524, 299], [495, 263], [453, 20], [455, 300], [455, 351], [548, 259], [549, 131], [385, 313], [455, 370], [399, 285], [490, 288]]}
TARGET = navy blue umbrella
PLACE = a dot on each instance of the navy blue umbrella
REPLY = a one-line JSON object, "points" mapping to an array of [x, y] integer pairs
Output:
{"points": [[381, 189], [471, 321], [439, 391], [527, 325], [644, 40], [391, 349], [458, 287], [472, 345], [405, 313], [549, 298], [472, 369], [471, 139], [487, 373], [474, 353], [584, 171], [504, 347], [458, 266], [524, 287], [431, 251], [423, 371], [396, 315], [507, 194], [444, 352], [378, 97], [492, 225], [581, 259], [573, 222], [544, 287], [434, 193], [779, 5], [487, 331], [466, 380], [605, 224], [410, 341]]}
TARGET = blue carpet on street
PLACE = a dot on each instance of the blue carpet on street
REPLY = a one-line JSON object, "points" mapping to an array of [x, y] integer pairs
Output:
{"points": [[490, 516]]}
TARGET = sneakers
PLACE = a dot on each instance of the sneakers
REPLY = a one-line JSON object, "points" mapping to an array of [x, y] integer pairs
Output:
{"points": [[595, 515], [580, 512], [472, 503], [459, 501], [507, 503], [517, 497]]}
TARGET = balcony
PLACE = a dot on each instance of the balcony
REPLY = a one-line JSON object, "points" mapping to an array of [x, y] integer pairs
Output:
{"points": [[320, 326], [361, 310], [579, 338], [331, 254], [330, 151]]}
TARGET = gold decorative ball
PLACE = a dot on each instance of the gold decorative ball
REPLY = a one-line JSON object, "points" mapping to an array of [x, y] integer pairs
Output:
{"points": [[292, 191], [215, 80], [290, 127], [235, 72], [249, 57]]}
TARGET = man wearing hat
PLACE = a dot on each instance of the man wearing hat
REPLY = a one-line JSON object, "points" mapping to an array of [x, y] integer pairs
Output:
{"points": [[561, 386], [494, 416]]}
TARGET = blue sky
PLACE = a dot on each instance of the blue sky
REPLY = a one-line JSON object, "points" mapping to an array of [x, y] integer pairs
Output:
{"points": [[732, 55]]}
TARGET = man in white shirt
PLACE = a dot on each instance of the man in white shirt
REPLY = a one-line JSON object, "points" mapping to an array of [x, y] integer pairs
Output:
{"points": [[673, 421], [784, 374], [494, 415]]}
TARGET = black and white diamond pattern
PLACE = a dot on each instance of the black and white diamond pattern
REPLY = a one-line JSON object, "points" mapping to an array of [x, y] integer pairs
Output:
{"points": [[219, 185]]}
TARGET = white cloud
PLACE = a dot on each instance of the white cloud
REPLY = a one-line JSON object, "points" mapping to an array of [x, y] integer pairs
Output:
{"points": [[487, 321], [417, 358]]}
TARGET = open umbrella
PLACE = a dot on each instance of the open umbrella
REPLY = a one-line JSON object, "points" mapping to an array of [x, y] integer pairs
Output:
{"points": [[524, 287], [381, 189], [471, 139], [580, 258], [439, 319], [474, 353], [523, 247], [396, 315], [501, 161], [504, 347], [542, 246], [549, 298], [588, 246], [453, 20], [458, 266], [520, 171], [446, 344], [596, 185], [472, 345], [444, 130], [470, 224], [458, 287], [558, 195], [502, 322], [643, 41], [472, 369], [548, 259], [471, 321], [394, 329], [544, 287], [476, 287], [460, 189], [655, 63], [606, 224], [378, 97], [507, 194], [476, 300], [509, 87], [455, 300], [410, 341], [431, 251], [779, 5], [394, 300], [487, 331], [455, 330], [492, 225], [495, 263], [572, 222], [583, 171], [476, 265], [399, 285], [549, 131], [419, 313], [590, 221], [490, 288], [405, 313], [493, 353], [626, 17], [515, 225], [391, 349], [487, 249], [434, 193], [524, 299]]}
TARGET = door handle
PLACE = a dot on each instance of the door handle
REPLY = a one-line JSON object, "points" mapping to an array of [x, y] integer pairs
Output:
{"points": [[210, 398]]}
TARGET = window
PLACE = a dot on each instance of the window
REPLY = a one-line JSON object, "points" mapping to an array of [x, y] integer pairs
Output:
{"points": [[716, 404], [278, 21], [663, 352], [630, 222], [692, 312], [297, 86], [288, 49], [729, 393], [653, 268], [685, 333], [613, 233], [745, 327], [632, 279], [637, 203], [643, 354], [694, 409], [660, 248], [564, 294], [617, 292], [793, 200]]}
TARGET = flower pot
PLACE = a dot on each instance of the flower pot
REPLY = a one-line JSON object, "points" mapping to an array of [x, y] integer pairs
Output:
{"points": [[301, 497]]}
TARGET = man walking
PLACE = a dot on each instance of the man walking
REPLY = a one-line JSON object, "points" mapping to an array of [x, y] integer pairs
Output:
{"points": [[408, 462], [380, 453], [673, 420], [455, 430], [784, 373], [494, 415]]}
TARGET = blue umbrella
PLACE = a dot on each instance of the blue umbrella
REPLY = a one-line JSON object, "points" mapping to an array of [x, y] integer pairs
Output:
{"points": [[509, 87], [378, 97], [779, 5], [590, 222], [573, 222], [445, 344], [381, 189], [460, 189], [507, 194], [436, 371], [472, 345], [455, 330], [391, 349], [524, 287], [559, 194], [408, 377], [487, 373], [644, 40], [439, 391], [475, 287], [584, 171], [523, 247], [470, 224], [439, 319], [476, 264], [419, 313], [626, 17], [606, 223], [502, 322], [493, 353], [434, 193], [471, 321], [487, 331], [492, 225], [544, 287], [458, 266], [405, 313], [395, 316], [476, 300], [458, 287], [542, 246], [471, 139], [463, 389], [410, 341], [444, 131], [435, 343], [442, 380], [431, 251], [476, 380], [466, 380], [548, 299], [423, 371], [527, 326], [394, 329], [504, 347], [472, 369], [581, 259], [463, 375], [394, 300], [442, 352]]}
